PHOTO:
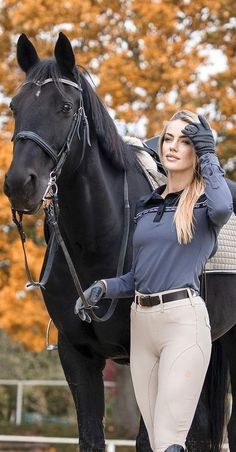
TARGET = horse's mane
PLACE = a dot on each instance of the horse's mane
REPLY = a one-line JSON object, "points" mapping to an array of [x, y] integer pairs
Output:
{"points": [[111, 143]]}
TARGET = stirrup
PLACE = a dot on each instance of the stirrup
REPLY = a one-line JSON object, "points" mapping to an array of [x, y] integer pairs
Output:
{"points": [[50, 347]]}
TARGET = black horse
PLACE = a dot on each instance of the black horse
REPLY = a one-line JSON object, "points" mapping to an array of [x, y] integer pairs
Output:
{"points": [[53, 96]]}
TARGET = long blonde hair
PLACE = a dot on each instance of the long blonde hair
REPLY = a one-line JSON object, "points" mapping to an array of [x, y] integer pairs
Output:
{"points": [[184, 217]]}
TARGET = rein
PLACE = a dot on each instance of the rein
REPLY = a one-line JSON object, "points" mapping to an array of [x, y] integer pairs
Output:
{"points": [[51, 206]]}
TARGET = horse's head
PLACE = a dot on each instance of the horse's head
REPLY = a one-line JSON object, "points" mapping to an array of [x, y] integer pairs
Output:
{"points": [[47, 111]]}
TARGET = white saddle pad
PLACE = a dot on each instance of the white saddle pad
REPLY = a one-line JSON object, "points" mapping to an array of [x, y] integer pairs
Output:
{"points": [[225, 258]]}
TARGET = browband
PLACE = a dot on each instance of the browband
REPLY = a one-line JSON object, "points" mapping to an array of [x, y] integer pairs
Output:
{"points": [[49, 80]]}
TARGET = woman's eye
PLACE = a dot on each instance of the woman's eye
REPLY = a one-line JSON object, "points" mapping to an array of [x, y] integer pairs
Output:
{"points": [[66, 107]]}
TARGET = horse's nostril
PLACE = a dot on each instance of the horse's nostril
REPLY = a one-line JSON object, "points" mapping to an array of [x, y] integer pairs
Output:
{"points": [[20, 185], [30, 181]]}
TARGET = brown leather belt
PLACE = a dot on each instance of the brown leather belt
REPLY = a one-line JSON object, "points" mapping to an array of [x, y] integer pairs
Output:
{"points": [[153, 300]]}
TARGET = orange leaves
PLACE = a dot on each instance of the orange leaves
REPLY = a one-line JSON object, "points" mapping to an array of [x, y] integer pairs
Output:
{"points": [[22, 313], [23, 318], [25, 16], [119, 82], [149, 44]]}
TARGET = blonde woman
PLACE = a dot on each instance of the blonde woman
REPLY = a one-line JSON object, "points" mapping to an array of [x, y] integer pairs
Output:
{"points": [[176, 232]]}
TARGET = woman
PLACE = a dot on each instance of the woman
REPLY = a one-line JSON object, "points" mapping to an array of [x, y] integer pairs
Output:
{"points": [[176, 232]]}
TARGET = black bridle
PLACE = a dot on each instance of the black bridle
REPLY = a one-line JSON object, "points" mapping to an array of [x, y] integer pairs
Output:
{"points": [[51, 206], [80, 115]]}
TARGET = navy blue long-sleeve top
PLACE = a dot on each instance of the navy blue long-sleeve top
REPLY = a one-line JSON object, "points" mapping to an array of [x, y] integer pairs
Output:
{"points": [[160, 263]]}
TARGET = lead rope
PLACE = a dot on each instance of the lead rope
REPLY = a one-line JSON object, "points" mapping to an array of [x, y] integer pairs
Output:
{"points": [[121, 260], [18, 223], [54, 223]]}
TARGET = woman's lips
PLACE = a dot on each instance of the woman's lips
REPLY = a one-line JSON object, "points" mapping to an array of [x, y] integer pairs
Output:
{"points": [[171, 158]]}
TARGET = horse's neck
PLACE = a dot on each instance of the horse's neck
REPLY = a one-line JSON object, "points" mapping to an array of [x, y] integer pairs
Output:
{"points": [[91, 202]]}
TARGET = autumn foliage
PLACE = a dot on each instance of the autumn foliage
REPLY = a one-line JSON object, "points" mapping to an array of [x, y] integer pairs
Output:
{"points": [[148, 58], [22, 313]]}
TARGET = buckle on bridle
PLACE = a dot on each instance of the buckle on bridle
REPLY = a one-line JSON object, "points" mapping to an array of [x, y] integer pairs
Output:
{"points": [[52, 188]]}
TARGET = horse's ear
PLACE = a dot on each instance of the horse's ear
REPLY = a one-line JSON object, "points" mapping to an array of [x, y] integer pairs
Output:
{"points": [[27, 56], [64, 55]]}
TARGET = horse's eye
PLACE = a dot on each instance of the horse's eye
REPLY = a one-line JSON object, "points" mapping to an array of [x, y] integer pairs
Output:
{"points": [[66, 107], [12, 108]]}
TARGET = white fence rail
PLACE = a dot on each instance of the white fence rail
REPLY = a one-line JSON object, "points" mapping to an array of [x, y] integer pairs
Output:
{"points": [[20, 384], [111, 444]]}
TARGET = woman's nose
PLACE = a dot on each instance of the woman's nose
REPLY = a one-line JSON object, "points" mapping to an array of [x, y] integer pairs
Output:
{"points": [[173, 147]]}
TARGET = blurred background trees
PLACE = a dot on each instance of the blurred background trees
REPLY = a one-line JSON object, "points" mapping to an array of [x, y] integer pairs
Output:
{"points": [[147, 59]]}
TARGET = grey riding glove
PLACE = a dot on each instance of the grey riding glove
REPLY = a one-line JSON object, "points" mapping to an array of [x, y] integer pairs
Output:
{"points": [[93, 294], [201, 136]]}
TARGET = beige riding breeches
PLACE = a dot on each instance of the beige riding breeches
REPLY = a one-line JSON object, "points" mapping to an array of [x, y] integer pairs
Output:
{"points": [[170, 353]]}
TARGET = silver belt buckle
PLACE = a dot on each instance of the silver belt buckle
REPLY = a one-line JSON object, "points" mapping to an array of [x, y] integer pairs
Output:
{"points": [[140, 298]]}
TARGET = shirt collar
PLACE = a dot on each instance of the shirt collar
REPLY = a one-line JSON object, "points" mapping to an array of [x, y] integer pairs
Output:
{"points": [[156, 195]]}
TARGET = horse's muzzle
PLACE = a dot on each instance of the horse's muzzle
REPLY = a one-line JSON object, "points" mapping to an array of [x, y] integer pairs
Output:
{"points": [[23, 192]]}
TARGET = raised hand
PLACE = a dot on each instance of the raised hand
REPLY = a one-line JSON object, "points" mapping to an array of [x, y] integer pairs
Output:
{"points": [[201, 136]]}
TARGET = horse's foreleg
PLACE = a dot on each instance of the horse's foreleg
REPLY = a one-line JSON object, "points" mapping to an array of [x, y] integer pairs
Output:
{"points": [[232, 422], [84, 376], [206, 433], [199, 434], [142, 440]]}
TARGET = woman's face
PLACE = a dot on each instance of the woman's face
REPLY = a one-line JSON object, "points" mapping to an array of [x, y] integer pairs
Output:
{"points": [[178, 153]]}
